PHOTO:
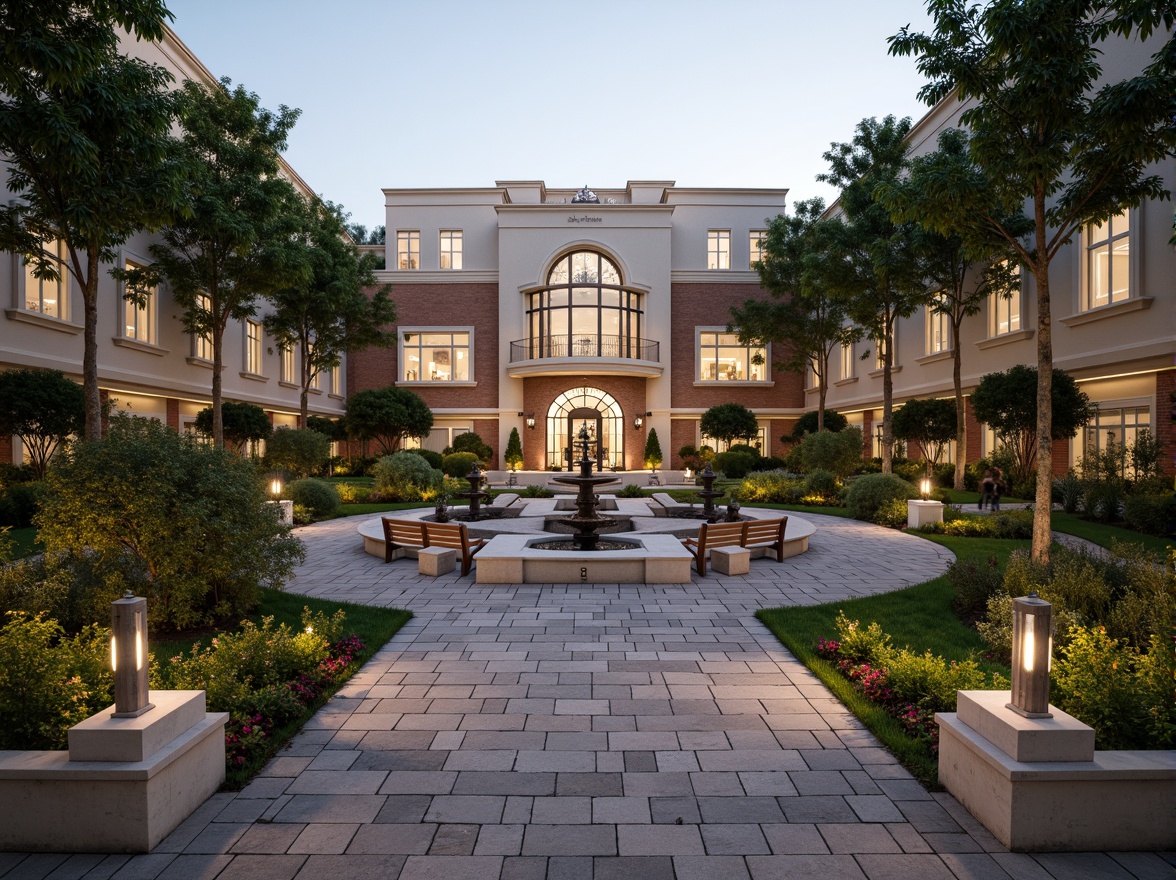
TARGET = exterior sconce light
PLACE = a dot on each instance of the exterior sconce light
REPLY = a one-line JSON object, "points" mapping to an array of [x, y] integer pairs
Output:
{"points": [[128, 655], [1032, 653], [925, 487], [531, 421], [638, 422], [689, 475]]}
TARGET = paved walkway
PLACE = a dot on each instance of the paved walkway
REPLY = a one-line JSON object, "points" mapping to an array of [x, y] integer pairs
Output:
{"points": [[580, 732]]}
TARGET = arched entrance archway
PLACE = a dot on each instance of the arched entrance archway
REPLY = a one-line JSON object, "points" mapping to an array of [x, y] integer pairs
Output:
{"points": [[606, 427]]}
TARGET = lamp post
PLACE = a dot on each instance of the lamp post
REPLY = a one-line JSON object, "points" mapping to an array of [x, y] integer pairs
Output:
{"points": [[925, 487], [128, 655], [1032, 652]]}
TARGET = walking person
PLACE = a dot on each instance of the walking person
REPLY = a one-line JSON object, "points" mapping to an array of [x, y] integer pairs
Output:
{"points": [[986, 489], [998, 488]]}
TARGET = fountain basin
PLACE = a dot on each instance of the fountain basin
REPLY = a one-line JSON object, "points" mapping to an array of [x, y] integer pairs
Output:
{"points": [[510, 559]]}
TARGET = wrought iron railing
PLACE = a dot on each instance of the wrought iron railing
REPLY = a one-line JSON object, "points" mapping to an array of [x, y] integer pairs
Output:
{"points": [[585, 345]]}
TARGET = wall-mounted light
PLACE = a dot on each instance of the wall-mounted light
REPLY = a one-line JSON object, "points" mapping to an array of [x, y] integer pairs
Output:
{"points": [[128, 655], [638, 422], [531, 421], [1032, 652]]}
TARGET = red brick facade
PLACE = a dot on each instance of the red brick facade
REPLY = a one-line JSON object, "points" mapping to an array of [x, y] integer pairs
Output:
{"points": [[1165, 427], [539, 392]]}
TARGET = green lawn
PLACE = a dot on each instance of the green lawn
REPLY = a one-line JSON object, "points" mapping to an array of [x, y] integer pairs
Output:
{"points": [[24, 542], [356, 509], [1103, 535]]}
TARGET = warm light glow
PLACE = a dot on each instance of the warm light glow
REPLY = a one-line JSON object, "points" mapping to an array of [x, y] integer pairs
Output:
{"points": [[925, 487], [138, 650], [113, 654], [1027, 650], [310, 630], [276, 487]]}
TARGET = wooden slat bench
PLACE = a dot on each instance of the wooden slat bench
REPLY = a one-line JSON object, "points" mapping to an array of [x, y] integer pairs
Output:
{"points": [[755, 534], [399, 534], [454, 536], [766, 533]]}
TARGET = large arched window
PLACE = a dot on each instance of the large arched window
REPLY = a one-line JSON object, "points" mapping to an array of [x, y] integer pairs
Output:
{"points": [[584, 311], [595, 409]]}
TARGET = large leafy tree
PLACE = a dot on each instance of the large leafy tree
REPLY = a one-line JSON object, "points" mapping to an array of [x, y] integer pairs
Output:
{"points": [[1049, 140], [44, 409], [929, 424], [804, 320], [241, 423], [387, 415], [1007, 402], [85, 132], [236, 240], [326, 312], [876, 266], [729, 422]]}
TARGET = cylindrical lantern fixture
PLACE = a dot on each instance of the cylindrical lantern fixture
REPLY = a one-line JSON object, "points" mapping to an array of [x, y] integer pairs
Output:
{"points": [[128, 655], [925, 487], [1032, 652]]}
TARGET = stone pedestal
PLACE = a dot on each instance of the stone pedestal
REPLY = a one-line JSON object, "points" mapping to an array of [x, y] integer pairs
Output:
{"points": [[919, 513], [124, 784], [287, 512], [731, 560], [1039, 786], [434, 561]]}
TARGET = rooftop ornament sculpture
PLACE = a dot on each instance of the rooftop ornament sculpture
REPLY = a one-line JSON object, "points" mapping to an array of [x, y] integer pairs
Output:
{"points": [[585, 197]]}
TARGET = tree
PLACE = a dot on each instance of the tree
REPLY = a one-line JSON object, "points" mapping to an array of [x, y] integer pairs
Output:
{"points": [[1007, 403], [387, 415], [299, 451], [929, 424], [876, 267], [241, 423], [85, 132], [332, 429], [1044, 141], [236, 241], [653, 452], [805, 321], [810, 423], [44, 409], [470, 441], [729, 422], [962, 270], [326, 313], [514, 450]]}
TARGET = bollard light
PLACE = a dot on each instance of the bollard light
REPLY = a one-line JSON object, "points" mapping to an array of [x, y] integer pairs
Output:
{"points": [[128, 655], [925, 487], [1032, 653], [275, 485]]}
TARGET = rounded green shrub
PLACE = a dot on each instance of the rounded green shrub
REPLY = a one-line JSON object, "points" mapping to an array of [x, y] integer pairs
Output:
{"points": [[471, 442], [459, 464], [406, 476], [736, 464], [317, 496], [433, 458], [19, 503], [298, 451], [820, 482], [869, 493], [840, 453], [1150, 514]]}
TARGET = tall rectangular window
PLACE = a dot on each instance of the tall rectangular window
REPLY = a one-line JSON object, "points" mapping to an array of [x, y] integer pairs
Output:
{"points": [[722, 358], [139, 320], [1117, 429], [435, 355], [336, 386], [756, 242], [450, 248], [1005, 311], [408, 249], [880, 347], [1108, 262], [289, 365], [202, 342], [938, 330], [253, 347], [847, 360], [718, 249], [50, 298]]}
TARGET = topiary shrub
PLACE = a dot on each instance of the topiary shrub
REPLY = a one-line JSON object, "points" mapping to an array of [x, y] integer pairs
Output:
{"points": [[892, 514], [1150, 514], [459, 464], [514, 450], [406, 476], [433, 458], [317, 496], [735, 464], [770, 487], [839, 453], [350, 493], [870, 492], [822, 484], [297, 451], [471, 442]]}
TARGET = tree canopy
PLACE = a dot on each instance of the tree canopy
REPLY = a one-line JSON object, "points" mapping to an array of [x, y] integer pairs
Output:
{"points": [[42, 407], [514, 450], [729, 422], [810, 422], [387, 415], [929, 424], [653, 450], [241, 422]]}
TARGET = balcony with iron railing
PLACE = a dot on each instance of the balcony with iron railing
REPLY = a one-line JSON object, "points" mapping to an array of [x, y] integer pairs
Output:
{"points": [[585, 354]]}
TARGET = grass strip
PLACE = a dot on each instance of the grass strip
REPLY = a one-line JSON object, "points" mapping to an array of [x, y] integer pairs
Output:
{"points": [[1103, 534], [25, 543]]}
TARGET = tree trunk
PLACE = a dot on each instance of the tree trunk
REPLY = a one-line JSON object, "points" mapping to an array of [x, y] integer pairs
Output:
{"points": [[822, 391], [304, 392], [1043, 498], [961, 419], [887, 402], [218, 419], [90, 393]]}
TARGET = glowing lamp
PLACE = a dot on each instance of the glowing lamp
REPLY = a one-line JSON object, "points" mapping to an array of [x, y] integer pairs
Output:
{"points": [[128, 655], [925, 487], [275, 487], [1032, 653], [638, 422], [531, 422]]}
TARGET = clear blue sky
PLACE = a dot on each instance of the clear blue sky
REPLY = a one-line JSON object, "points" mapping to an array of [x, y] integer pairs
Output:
{"points": [[424, 93]]}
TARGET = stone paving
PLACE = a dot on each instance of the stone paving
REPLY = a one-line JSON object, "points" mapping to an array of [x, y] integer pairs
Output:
{"points": [[589, 731]]}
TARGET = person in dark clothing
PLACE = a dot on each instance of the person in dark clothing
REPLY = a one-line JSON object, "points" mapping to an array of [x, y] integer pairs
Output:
{"points": [[986, 489], [998, 487]]}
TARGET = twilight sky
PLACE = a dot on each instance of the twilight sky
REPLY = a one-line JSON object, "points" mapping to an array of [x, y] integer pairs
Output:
{"points": [[452, 93]]}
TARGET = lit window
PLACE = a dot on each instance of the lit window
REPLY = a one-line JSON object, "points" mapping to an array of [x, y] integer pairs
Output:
{"points": [[139, 320], [50, 298], [880, 352], [585, 311], [289, 366], [408, 249], [450, 249], [938, 329], [253, 347], [760, 442], [722, 358], [1117, 430], [435, 355], [201, 342], [1108, 259], [336, 386], [1005, 311], [846, 360], [757, 243], [718, 249]]}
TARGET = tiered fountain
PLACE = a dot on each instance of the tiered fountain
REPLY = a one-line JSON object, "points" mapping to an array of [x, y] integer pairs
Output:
{"points": [[587, 522]]}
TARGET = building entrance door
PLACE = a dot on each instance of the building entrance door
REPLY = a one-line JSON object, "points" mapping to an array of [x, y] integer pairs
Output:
{"points": [[592, 420], [606, 428]]}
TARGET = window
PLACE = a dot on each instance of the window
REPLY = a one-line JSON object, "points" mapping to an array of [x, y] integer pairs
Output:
{"points": [[139, 320], [760, 442], [450, 249], [1117, 428], [335, 381], [435, 355], [1005, 311], [202, 342], [718, 249], [1108, 262], [289, 365], [880, 347], [722, 358], [408, 249], [49, 298], [253, 348], [846, 360], [938, 329], [757, 243]]}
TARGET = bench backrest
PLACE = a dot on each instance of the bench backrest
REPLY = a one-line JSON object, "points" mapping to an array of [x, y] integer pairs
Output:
{"points": [[720, 534], [454, 535], [403, 532], [764, 531]]}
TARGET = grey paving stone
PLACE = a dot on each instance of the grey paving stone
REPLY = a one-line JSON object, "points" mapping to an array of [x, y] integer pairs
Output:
{"points": [[874, 808], [1021, 866], [570, 840], [904, 867], [630, 867], [740, 809], [657, 784], [974, 866], [454, 840], [499, 840], [854, 839], [669, 810], [588, 785], [952, 843], [351, 867], [419, 782], [267, 839], [640, 762], [710, 868], [905, 789], [72, 867], [620, 810], [1146, 866], [659, 840], [477, 782], [476, 809], [928, 816], [717, 785], [202, 866], [392, 839], [217, 838], [324, 839], [524, 868], [790, 867], [562, 811], [816, 782], [818, 809], [404, 808], [1082, 866], [405, 759], [795, 839], [734, 840], [451, 867], [143, 867], [308, 808], [569, 868], [775, 783], [263, 867]]}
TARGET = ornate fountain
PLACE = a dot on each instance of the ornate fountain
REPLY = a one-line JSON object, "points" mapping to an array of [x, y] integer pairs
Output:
{"points": [[475, 496], [587, 521], [708, 494]]}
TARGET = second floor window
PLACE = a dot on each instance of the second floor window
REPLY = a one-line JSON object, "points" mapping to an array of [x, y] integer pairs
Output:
{"points": [[50, 298], [718, 249], [938, 331], [450, 248], [1005, 312], [289, 366], [139, 320], [722, 358], [435, 355], [1108, 262], [253, 347], [757, 242], [408, 249], [880, 347], [201, 342], [846, 361]]}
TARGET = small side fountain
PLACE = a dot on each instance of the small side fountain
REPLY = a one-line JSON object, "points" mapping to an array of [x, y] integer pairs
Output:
{"points": [[587, 521], [475, 496], [708, 494]]}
